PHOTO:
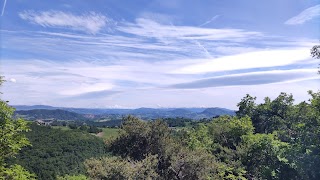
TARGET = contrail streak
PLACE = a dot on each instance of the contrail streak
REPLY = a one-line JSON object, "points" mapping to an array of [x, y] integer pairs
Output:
{"points": [[212, 19], [4, 6], [203, 48]]}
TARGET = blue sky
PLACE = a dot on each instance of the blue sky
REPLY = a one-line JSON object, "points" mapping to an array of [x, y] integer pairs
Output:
{"points": [[156, 53]]}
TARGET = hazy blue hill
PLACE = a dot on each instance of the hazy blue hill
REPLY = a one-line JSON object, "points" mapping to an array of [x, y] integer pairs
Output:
{"points": [[217, 112], [180, 111], [142, 111], [24, 107], [47, 112], [56, 114], [194, 109], [97, 111]]}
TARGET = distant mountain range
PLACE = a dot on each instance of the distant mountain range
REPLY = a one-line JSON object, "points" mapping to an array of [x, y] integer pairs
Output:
{"points": [[143, 113]]}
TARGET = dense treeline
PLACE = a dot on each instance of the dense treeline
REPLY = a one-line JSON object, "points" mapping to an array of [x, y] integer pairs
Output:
{"points": [[296, 125], [177, 122], [276, 139], [272, 140], [110, 123], [57, 152], [51, 114]]}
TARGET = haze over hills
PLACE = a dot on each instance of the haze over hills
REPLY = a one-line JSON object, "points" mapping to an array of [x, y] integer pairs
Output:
{"points": [[144, 113]]}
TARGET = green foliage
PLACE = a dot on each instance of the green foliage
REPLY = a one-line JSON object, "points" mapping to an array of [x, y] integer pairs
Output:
{"points": [[73, 126], [264, 156], [93, 129], [133, 142], [118, 168], [268, 116], [190, 164], [315, 52], [56, 152], [246, 106], [16, 172], [299, 126], [177, 122], [198, 138], [141, 139], [12, 140], [109, 133], [11, 137], [227, 131], [221, 138], [72, 177]]}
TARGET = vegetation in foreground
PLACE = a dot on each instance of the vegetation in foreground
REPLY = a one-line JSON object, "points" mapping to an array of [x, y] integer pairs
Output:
{"points": [[276, 139]]}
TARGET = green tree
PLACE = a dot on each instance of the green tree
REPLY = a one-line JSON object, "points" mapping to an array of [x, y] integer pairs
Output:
{"points": [[315, 52], [246, 106], [55, 152], [264, 157], [221, 138], [118, 168], [142, 139], [12, 140], [269, 116], [72, 177]]}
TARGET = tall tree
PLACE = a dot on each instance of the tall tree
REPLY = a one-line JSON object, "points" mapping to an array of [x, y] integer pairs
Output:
{"points": [[12, 140]]}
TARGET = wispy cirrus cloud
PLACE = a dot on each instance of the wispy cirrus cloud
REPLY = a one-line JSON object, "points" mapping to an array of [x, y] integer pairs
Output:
{"points": [[255, 59], [305, 16], [141, 60], [91, 22], [151, 29], [254, 78], [77, 83]]}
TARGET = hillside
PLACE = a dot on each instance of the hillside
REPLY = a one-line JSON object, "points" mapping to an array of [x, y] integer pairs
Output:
{"points": [[112, 114], [56, 114]]}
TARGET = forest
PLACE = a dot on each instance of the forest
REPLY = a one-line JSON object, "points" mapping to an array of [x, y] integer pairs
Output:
{"points": [[276, 139]]}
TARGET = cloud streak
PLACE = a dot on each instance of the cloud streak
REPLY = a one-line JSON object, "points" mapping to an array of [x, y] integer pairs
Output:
{"points": [[137, 61], [255, 78], [256, 59], [304, 16], [151, 29], [209, 21], [4, 6], [91, 23]]}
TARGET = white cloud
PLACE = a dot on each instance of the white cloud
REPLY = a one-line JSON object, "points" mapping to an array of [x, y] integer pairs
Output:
{"points": [[127, 83], [256, 59], [87, 88], [133, 67], [151, 29], [90, 23], [305, 16], [251, 78], [13, 80]]}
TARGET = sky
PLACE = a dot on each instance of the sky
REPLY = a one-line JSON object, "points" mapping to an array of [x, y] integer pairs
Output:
{"points": [[156, 53]]}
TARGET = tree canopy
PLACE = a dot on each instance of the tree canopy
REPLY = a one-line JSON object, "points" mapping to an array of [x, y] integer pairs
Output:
{"points": [[12, 140]]}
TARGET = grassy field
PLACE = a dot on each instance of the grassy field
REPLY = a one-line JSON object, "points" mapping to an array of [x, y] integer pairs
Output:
{"points": [[109, 132], [61, 127], [105, 134]]}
